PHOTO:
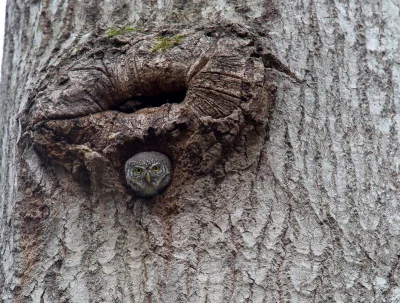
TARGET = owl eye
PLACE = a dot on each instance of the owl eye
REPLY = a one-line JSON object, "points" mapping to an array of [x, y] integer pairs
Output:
{"points": [[156, 169], [138, 170]]}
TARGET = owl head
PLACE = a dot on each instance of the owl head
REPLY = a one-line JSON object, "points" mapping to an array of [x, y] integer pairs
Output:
{"points": [[148, 173]]}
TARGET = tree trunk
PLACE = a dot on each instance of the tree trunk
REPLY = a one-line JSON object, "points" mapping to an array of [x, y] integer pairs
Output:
{"points": [[282, 123]]}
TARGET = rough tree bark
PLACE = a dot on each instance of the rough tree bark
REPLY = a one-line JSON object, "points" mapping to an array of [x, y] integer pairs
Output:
{"points": [[281, 119]]}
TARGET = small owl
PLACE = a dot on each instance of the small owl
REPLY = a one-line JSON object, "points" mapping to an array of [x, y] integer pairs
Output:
{"points": [[148, 173]]}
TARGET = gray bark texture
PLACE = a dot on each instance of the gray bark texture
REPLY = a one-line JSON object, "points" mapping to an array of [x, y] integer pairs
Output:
{"points": [[281, 119]]}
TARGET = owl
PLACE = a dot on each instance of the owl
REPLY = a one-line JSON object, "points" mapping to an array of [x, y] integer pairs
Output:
{"points": [[148, 173]]}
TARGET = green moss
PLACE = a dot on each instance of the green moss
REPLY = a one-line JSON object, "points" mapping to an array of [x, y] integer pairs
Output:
{"points": [[115, 32], [163, 43], [129, 29]]}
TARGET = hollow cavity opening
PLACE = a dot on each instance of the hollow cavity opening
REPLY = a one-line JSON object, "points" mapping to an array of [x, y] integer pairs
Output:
{"points": [[139, 102]]}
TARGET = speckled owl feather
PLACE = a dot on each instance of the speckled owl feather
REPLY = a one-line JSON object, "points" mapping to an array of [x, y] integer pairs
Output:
{"points": [[148, 173]]}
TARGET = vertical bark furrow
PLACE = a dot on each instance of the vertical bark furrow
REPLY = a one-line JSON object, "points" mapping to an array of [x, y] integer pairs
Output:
{"points": [[45, 26], [348, 148]]}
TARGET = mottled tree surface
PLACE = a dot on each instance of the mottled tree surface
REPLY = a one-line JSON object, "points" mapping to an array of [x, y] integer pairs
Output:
{"points": [[281, 119]]}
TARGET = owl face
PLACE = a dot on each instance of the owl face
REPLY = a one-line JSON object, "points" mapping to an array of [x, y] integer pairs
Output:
{"points": [[148, 173]]}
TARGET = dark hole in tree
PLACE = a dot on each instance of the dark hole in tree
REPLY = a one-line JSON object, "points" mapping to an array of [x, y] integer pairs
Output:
{"points": [[136, 103]]}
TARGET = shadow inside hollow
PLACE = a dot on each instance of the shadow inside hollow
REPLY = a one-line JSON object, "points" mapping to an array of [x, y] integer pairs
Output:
{"points": [[136, 103]]}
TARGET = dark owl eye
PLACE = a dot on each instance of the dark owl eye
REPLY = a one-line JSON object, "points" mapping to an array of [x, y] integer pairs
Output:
{"points": [[138, 170], [156, 169]]}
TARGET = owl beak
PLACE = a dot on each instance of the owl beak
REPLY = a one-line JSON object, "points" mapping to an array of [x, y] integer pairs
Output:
{"points": [[148, 177]]}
